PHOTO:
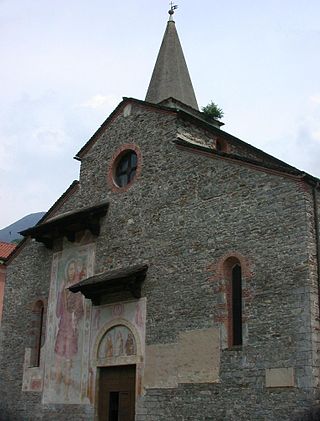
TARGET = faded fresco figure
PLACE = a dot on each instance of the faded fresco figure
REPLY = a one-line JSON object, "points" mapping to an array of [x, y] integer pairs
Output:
{"points": [[130, 344], [119, 344], [69, 311], [139, 316], [96, 320], [109, 346], [81, 270]]}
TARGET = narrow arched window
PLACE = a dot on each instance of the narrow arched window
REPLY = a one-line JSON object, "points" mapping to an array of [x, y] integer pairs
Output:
{"points": [[236, 293], [37, 333], [126, 168]]}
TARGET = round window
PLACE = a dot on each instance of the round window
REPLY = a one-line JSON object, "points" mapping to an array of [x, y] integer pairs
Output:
{"points": [[125, 168]]}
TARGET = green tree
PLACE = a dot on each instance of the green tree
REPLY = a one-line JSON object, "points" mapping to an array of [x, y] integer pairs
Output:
{"points": [[212, 110]]}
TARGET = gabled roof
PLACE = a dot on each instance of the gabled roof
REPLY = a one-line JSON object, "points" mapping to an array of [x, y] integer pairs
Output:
{"points": [[58, 203], [170, 77], [87, 146], [5, 250], [194, 117], [174, 107], [197, 119], [275, 166]]}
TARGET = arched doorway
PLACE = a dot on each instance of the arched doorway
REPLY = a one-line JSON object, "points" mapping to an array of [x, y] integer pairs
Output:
{"points": [[117, 356]]}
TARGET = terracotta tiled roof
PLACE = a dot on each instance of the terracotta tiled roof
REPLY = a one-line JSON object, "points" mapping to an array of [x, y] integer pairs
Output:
{"points": [[6, 249]]}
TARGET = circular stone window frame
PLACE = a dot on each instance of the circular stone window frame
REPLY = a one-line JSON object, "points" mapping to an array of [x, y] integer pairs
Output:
{"points": [[119, 153]]}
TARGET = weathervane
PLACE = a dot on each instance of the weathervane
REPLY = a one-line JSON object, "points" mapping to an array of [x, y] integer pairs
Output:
{"points": [[173, 7]]}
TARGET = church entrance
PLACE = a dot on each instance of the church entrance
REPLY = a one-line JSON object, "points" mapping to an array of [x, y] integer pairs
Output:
{"points": [[116, 393]]}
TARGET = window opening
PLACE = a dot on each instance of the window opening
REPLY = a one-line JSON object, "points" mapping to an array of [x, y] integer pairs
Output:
{"points": [[236, 305], [37, 334], [126, 168], [221, 145]]}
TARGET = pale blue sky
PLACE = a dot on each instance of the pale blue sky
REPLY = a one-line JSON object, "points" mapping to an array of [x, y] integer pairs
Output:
{"points": [[67, 64]]}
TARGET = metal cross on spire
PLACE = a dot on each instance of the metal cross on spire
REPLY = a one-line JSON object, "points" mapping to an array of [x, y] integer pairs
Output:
{"points": [[173, 7]]}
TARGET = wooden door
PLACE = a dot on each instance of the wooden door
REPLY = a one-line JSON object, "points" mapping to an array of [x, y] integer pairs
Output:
{"points": [[116, 393]]}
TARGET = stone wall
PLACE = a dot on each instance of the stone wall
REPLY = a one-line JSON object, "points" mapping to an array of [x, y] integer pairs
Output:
{"points": [[3, 270], [182, 216]]}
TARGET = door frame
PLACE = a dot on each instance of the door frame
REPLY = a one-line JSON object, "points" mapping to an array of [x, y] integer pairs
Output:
{"points": [[136, 360], [98, 382]]}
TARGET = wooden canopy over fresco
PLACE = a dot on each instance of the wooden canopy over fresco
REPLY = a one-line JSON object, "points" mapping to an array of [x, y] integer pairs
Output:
{"points": [[68, 224], [114, 281]]}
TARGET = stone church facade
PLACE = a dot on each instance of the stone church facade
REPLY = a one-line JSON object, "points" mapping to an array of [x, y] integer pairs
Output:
{"points": [[176, 280]]}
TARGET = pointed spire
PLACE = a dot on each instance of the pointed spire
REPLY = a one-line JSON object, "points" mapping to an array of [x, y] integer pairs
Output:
{"points": [[170, 77]]}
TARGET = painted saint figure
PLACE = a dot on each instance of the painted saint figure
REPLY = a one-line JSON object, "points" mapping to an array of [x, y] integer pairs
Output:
{"points": [[69, 310], [109, 346], [119, 344], [130, 344]]}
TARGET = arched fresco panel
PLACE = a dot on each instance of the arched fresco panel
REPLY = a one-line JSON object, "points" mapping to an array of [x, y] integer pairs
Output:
{"points": [[117, 338], [118, 341]]}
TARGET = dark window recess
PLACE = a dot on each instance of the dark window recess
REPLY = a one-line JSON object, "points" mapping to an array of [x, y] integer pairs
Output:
{"points": [[236, 305], [220, 145], [37, 336], [113, 406], [126, 168]]}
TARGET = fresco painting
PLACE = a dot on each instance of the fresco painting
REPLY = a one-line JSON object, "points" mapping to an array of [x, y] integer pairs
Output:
{"points": [[67, 361], [139, 315], [96, 320], [70, 371], [32, 376], [117, 310], [117, 342], [116, 338]]}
